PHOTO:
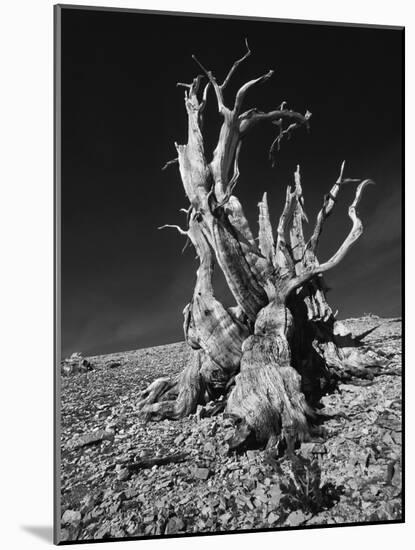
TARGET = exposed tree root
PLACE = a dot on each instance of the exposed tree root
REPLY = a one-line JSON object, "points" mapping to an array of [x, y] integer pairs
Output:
{"points": [[346, 356], [159, 401]]}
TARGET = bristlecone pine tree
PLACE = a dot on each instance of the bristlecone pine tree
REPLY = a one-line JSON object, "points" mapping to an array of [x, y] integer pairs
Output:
{"points": [[269, 358]]}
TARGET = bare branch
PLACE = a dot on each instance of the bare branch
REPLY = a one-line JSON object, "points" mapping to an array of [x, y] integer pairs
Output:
{"points": [[186, 210], [282, 256], [235, 66], [275, 145], [216, 87], [194, 86], [340, 178], [240, 95], [253, 116], [299, 193], [193, 91], [200, 64], [202, 104], [328, 205], [170, 162], [177, 227], [236, 173], [204, 97], [354, 234], [284, 216], [297, 240], [186, 244]]}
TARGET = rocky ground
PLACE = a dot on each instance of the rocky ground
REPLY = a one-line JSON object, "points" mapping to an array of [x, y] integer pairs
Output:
{"points": [[110, 489]]}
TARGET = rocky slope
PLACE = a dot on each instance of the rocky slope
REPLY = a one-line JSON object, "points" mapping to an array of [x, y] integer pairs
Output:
{"points": [[111, 488]]}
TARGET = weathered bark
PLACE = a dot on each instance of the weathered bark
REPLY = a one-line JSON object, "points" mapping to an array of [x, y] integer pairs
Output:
{"points": [[279, 348]]}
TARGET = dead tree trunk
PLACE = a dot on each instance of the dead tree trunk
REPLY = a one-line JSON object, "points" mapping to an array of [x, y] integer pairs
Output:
{"points": [[278, 349]]}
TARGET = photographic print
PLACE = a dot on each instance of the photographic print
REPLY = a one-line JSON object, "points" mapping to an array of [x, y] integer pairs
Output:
{"points": [[228, 274]]}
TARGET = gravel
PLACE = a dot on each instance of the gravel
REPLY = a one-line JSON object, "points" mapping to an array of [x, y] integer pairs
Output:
{"points": [[354, 475]]}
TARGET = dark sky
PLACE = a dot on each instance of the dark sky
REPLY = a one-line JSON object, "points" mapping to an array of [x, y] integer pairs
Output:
{"points": [[124, 283]]}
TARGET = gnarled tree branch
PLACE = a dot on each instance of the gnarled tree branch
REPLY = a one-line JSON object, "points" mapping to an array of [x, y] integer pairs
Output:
{"points": [[241, 93], [283, 260], [251, 117], [354, 234], [235, 66], [328, 205]]}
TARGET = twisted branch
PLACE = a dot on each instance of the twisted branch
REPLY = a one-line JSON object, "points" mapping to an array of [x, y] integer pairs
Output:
{"points": [[328, 205], [177, 227], [354, 234], [170, 163], [241, 93], [218, 90], [234, 180], [253, 116], [282, 257], [236, 65]]}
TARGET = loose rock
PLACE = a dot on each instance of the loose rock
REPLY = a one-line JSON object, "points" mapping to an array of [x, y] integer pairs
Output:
{"points": [[71, 516], [201, 473]]}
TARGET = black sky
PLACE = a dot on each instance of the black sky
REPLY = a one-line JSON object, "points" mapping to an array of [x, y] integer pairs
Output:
{"points": [[124, 283]]}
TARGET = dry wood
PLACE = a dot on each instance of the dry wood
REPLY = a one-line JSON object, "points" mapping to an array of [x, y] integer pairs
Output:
{"points": [[278, 348], [149, 462]]}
